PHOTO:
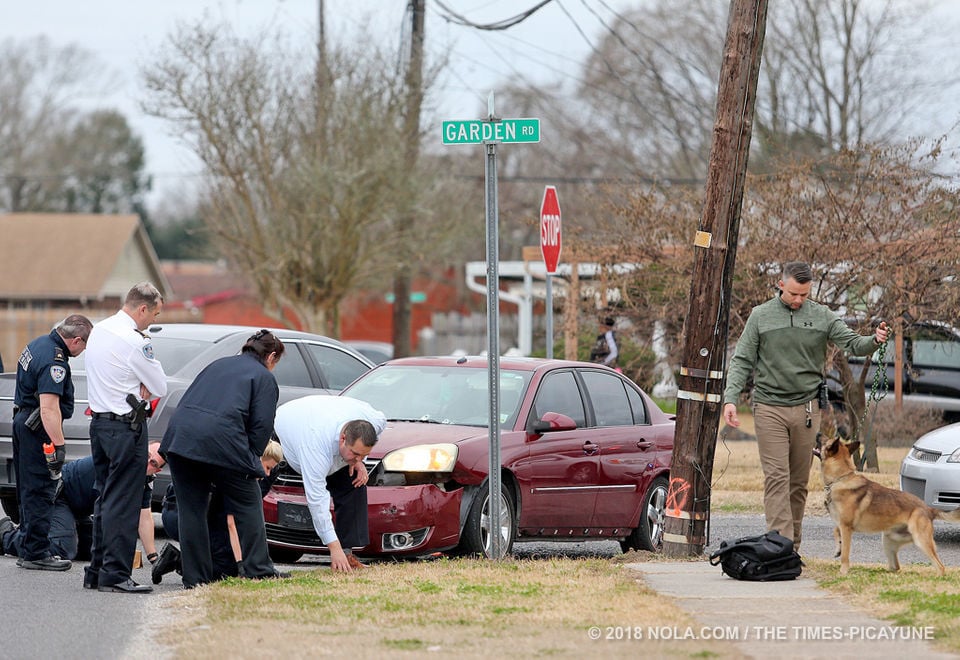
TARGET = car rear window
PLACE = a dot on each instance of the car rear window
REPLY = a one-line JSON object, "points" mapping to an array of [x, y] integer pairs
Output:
{"points": [[172, 353]]}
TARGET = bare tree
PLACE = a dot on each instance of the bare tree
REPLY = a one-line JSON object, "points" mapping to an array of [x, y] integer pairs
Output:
{"points": [[303, 178], [40, 84], [836, 74]]}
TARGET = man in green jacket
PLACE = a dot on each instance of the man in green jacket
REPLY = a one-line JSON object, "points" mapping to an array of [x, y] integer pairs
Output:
{"points": [[784, 346]]}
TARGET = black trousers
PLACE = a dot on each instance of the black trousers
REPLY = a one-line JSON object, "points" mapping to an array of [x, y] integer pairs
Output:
{"points": [[193, 482], [221, 552], [349, 509], [120, 462], [35, 488]]}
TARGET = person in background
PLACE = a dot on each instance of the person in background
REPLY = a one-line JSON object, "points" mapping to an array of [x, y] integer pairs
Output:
{"points": [[605, 351], [122, 377], [325, 439], [214, 441], [43, 398], [784, 346], [225, 548]]}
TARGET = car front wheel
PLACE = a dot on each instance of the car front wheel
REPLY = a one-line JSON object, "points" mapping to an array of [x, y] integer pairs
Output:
{"points": [[475, 538], [649, 532]]}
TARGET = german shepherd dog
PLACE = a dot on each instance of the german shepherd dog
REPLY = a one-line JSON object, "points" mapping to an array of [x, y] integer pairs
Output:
{"points": [[857, 504]]}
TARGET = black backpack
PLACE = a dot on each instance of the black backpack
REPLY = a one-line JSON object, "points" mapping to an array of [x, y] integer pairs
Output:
{"points": [[766, 558]]}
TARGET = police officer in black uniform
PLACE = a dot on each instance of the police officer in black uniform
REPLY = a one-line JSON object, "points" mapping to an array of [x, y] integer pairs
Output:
{"points": [[43, 399], [122, 376]]}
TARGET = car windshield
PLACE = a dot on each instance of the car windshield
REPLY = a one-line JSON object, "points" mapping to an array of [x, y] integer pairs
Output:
{"points": [[173, 353], [441, 395]]}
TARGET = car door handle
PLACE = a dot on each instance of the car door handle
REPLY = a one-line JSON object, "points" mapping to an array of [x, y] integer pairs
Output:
{"points": [[590, 449], [644, 444]]}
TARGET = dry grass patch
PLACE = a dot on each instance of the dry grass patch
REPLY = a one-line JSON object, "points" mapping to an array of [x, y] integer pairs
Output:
{"points": [[466, 607], [914, 597]]}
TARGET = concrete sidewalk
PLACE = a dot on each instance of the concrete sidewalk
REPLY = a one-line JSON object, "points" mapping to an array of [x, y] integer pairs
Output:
{"points": [[790, 619]]}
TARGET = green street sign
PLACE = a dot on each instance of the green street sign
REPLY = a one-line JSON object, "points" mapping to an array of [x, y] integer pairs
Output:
{"points": [[479, 132]]}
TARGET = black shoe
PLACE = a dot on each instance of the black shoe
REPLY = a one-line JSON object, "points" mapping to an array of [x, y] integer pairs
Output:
{"points": [[169, 560], [6, 526], [46, 564], [90, 584], [126, 587]]}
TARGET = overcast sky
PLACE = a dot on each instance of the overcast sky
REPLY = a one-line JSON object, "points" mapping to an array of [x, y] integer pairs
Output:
{"points": [[125, 34]]}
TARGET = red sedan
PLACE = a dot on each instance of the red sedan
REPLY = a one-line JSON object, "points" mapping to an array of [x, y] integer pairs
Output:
{"points": [[585, 454]]}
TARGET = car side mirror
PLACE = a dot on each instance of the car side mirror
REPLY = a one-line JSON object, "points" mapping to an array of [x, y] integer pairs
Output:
{"points": [[552, 421]]}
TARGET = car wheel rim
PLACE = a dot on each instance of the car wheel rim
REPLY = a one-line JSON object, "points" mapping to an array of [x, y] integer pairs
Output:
{"points": [[504, 525], [655, 515]]}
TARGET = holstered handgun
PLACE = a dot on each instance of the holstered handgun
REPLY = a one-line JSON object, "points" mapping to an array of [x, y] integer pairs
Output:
{"points": [[139, 412]]}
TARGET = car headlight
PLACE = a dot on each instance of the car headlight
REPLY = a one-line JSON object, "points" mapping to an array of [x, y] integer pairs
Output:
{"points": [[955, 456], [422, 458]]}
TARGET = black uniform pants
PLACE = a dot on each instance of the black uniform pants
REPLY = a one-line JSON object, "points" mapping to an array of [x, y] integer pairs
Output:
{"points": [[120, 461], [35, 489], [349, 509], [193, 482]]}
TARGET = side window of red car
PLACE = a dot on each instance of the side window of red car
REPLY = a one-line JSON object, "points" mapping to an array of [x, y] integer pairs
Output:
{"points": [[559, 393], [609, 398]]}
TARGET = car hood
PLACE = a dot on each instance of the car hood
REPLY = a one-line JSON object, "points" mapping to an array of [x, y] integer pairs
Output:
{"points": [[405, 434], [945, 439]]}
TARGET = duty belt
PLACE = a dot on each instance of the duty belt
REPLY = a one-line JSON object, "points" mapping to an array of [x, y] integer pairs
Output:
{"points": [[112, 416]]}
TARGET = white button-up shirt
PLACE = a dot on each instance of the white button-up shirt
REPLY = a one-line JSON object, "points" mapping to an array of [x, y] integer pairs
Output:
{"points": [[309, 431], [119, 358]]}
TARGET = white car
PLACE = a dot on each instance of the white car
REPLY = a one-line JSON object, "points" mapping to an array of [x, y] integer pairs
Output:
{"points": [[931, 470]]}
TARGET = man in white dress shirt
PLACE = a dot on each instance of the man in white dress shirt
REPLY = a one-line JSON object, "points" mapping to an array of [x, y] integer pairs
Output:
{"points": [[120, 363], [325, 439]]}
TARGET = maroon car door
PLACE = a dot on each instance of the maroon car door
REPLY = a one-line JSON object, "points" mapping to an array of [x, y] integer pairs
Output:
{"points": [[627, 444], [559, 477]]}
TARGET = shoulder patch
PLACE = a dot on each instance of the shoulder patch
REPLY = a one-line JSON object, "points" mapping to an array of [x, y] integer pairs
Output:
{"points": [[25, 358], [58, 355], [148, 351], [58, 373]]}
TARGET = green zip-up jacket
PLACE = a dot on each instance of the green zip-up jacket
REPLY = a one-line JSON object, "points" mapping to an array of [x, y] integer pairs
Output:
{"points": [[786, 350]]}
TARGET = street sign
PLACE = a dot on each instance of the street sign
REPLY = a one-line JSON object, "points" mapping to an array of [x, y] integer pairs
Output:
{"points": [[550, 238], [504, 130]]}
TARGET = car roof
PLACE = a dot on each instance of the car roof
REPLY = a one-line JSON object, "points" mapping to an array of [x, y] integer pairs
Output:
{"points": [[213, 332], [477, 361]]}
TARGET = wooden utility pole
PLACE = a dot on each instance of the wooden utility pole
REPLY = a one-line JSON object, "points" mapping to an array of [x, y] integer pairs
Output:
{"points": [[411, 131], [700, 395]]}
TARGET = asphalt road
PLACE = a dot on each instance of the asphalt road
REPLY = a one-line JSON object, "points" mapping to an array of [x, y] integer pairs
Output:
{"points": [[50, 615]]}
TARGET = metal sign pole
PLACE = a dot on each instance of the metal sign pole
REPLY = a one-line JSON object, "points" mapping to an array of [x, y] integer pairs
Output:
{"points": [[549, 316], [493, 339]]}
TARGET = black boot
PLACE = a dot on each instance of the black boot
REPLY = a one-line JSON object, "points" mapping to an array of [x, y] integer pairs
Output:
{"points": [[169, 560]]}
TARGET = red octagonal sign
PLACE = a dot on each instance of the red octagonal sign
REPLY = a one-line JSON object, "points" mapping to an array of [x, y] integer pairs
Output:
{"points": [[550, 229]]}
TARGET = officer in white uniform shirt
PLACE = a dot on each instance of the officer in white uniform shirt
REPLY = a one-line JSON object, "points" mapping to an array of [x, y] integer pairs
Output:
{"points": [[325, 439], [120, 363]]}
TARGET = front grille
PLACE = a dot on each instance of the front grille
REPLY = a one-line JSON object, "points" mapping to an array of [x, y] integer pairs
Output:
{"points": [[926, 456], [291, 478], [948, 497], [304, 538]]}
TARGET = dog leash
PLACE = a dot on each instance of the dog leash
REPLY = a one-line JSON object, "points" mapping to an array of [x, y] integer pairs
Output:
{"points": [[877, 392]]}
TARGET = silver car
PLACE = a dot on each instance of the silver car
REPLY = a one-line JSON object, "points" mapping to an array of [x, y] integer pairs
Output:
{"points": [[931, 470]]}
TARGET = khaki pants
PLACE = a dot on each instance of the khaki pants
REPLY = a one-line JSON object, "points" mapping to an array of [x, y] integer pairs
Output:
{"points": [[786, 451]]}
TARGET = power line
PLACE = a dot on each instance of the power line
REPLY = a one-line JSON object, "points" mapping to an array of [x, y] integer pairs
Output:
{"points": [[504, 24]]}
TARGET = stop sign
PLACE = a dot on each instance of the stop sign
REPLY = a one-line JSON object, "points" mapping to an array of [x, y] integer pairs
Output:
{"points": [[550, 229]]}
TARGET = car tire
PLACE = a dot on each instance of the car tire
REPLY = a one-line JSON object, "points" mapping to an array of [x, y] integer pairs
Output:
{"points": [[649, 532], [10, 508], [284, 555], [475, 538]]}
